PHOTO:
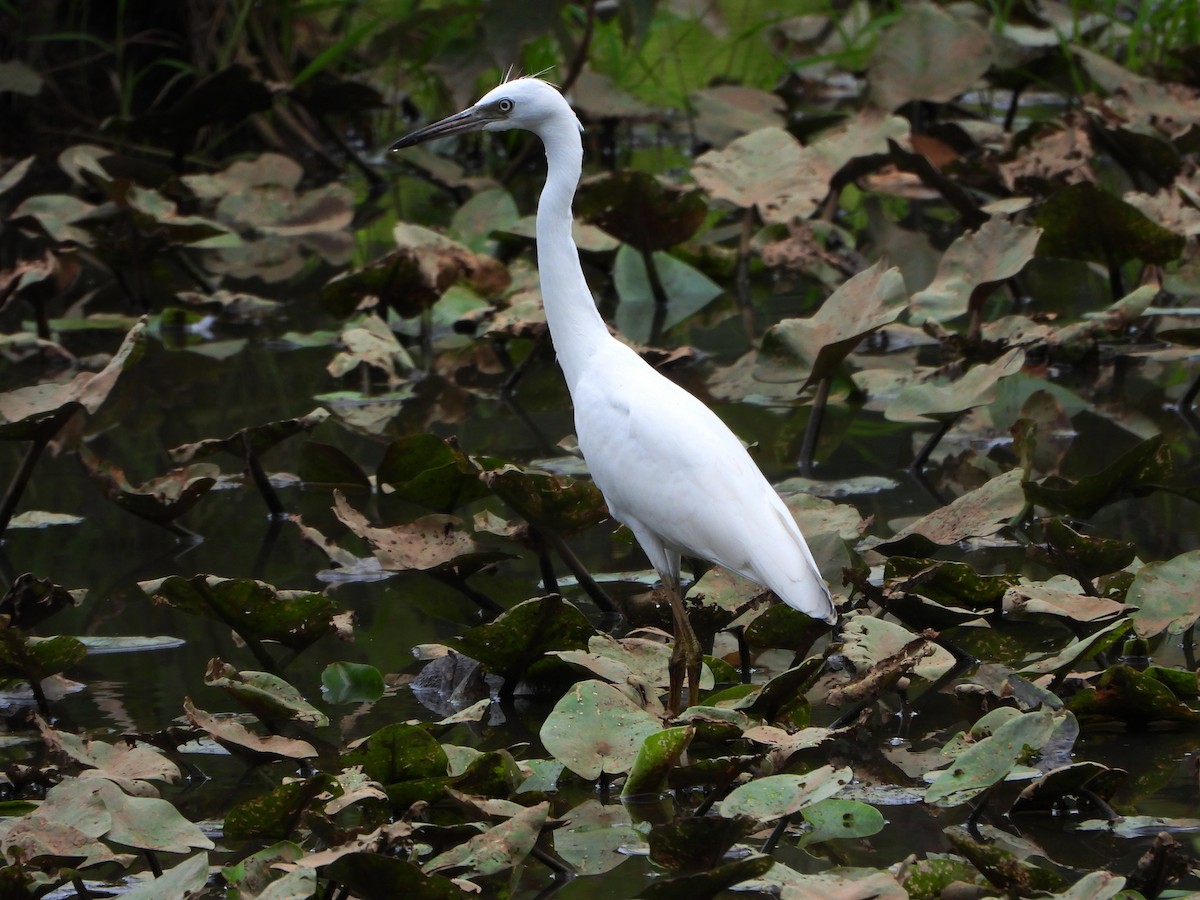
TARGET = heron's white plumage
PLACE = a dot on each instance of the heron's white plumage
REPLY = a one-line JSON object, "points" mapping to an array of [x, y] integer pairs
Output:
{"points": [[668, 467]]}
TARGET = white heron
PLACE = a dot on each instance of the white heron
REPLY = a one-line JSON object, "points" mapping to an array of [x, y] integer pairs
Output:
{"points": [[668, 467]]}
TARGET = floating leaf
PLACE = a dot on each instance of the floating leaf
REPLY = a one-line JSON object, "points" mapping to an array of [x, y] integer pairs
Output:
{"points": [[501, 847], [776, 796], [949, 583], [595, 838], [1127, 695], [346, 682], [425, 469], [834, 818], [261, 438], [595, 728], [548, 501], [1135, 472], [266, 695], [942, 401], [997, 251], [928, 54], [813, 348], [978, 513], [240, 741], [1084, 221], [656, 757], [255, 608], [988, 761], [1164, 594]]}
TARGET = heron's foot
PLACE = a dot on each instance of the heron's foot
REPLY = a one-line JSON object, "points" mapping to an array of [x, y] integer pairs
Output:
{"points": [[687, 656]]}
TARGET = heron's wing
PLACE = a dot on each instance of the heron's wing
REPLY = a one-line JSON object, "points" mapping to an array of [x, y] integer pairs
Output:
{"points": [[669, 466]]}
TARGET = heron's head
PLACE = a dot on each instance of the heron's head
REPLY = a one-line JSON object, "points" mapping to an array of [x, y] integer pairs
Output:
{"points": [[527, 103]]}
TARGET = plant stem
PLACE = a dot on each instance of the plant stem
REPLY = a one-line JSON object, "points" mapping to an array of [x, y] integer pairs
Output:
{"points": [[934, 439], [20, 480], [813, 430]]}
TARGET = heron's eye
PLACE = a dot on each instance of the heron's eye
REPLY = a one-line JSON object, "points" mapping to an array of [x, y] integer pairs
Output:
{"points": [[505, 105]]}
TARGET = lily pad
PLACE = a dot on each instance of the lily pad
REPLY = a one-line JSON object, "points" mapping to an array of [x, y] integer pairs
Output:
{"points": [[184, 880], [834, 818], [521, 636], [1133, 473], [978, 513], [656, 757], [1165, 595], [258, 438], [947, 400], [425, 469], [991, 759], [501, 847], [1084, 221], [813, 348], [158, 500], [776, 796], [268, 696], [641, 210], [596, 729]]}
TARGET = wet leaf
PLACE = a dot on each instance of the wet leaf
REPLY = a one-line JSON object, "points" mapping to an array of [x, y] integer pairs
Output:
{"points": [[1081, 555], [949, 583], [501, 847], [31, 600], [641, 210], [261, 438], [329, 467], [1084, 221], [928, 54], [595, 728], [429, 543], [596, 837], [24, 409], [242, 742], [1002, 867], [549, 501], [1135, 472], [997, 251], [158, 500], [275, 814], [1078, 649], [180, 882], [346, 682], [659, 753], [1127, 695], [33, 659], [1164, 594], [267, 696], [813, 348], [784, 628], [397, 753], [989, 760], [978, 513], [255, 608], [946, 400], [834, 818], [430, 471], [776, 796], [1067, 786]]}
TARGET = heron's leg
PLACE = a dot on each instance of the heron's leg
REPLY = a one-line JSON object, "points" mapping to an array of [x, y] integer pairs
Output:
{"points": [[686, 653]]}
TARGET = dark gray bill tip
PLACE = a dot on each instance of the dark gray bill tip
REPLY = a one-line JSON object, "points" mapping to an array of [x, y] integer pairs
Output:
{"points": [[468, 120]]}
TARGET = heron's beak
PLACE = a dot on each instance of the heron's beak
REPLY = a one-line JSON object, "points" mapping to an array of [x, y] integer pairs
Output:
{"points": [[471, 119]]}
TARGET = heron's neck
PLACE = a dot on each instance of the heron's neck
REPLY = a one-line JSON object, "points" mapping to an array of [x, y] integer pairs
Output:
{"points": [[575, 324]]}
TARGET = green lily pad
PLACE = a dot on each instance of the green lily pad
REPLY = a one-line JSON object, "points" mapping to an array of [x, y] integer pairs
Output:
{"points": [[1127, 695], [520, 637], [834, 818], [988, 761], [275, 814], [596, 729], [596, 837], [1165, 595], [1134, 473], [1085, 221], [254, 608], [776, 796], [432, 472], [501, 847], [397, 753], [549, 501], [948, 400], [656, 757], [347, 682], [950, 583], [266, 695]]}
